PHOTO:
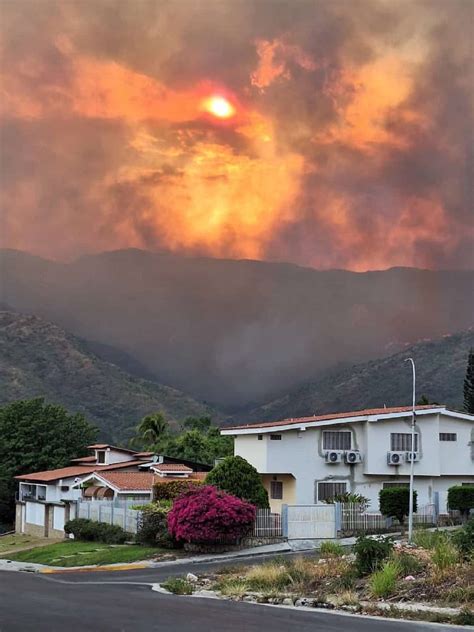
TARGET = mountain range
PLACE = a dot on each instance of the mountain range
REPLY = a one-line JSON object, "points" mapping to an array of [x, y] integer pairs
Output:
{"points": [[234, 333], [39, 359], [440, 371]]}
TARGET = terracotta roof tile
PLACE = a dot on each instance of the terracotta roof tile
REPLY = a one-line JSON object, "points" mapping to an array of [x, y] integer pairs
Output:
{"points": [[129, 481], [63, 472], [358, 413], [171, 467]]}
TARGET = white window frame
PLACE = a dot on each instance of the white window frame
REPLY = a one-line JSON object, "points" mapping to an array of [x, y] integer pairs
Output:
{"points": [[334, 433], [331, 482]]}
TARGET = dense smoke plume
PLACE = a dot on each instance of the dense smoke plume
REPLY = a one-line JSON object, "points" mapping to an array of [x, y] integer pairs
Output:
{"points": [[349, 142]]}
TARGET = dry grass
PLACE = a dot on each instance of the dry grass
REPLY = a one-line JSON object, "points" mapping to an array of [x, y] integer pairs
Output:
{"points": [[345, 598]]}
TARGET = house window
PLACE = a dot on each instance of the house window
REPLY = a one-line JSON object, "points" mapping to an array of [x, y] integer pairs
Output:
{"points": [[401, 442], [275, 437], [448, 436], [327, 491], [395, 484], [101, 457], [336, 440], [64, 488], [260, 437], [276, 490]]}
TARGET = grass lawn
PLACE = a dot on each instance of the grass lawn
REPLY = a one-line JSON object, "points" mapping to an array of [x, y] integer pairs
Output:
{"points": [[76, 553], [15, 542]]}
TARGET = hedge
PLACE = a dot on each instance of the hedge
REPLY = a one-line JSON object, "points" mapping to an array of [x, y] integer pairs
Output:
{"points": [[461, 497], [236, 476], [394, 502], [170, 490], [89, 530]]}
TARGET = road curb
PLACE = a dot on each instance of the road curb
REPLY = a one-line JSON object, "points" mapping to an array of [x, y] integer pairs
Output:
{"points": [[92, 569]]}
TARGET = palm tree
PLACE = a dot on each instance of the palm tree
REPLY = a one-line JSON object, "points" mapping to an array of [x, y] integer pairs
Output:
{"points": [[152, 428]]}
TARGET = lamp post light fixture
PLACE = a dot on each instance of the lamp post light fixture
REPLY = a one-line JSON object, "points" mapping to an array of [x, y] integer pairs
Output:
{"points": [[412, 460]]}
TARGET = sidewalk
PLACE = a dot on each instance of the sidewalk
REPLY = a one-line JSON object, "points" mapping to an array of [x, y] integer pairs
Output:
{"points": [[269, 549]]}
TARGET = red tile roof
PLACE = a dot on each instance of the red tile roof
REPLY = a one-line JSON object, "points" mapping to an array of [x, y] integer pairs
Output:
{"points": [[63, 472], [171, 467], [75, 470], [314, 418], [129, 481]]}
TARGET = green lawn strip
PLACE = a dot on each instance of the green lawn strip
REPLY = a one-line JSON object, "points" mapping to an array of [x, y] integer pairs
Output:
{"points": [[18, 542], [73, 553]]}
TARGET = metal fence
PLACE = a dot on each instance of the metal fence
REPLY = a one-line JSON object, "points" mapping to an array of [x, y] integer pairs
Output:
{"points": [[267, 524], [118, 512], [353, 518]]}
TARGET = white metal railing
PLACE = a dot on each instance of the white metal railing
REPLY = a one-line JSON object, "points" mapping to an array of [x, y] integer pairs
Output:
{"points": [[267, 524], [354, 517]]}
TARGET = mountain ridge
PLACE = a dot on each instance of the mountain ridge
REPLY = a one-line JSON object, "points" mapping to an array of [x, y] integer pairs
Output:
{"points": [[440, 368], [236, 332], [40, 359]]}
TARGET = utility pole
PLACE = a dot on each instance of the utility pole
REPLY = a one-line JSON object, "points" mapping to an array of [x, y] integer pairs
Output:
{"points": [[412, 463]]}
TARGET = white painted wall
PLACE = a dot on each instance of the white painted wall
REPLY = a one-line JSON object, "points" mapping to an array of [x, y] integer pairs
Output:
{"points": [[35, 513], [58, 517]]}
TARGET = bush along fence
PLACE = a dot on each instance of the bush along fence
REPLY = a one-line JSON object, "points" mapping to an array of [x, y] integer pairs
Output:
{"points": [[113, 512]]}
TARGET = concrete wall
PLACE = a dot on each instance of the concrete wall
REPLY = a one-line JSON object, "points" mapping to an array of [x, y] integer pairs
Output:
{"points": [[289, 490]]}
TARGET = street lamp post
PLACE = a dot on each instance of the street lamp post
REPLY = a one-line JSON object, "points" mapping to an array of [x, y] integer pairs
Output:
{"points": [[412, 462]]}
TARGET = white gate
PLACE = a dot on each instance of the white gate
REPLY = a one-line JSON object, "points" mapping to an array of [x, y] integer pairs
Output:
{"points": [[307, 522]]}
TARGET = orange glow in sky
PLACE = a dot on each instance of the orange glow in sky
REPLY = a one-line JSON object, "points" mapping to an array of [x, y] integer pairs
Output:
{"points": [[219, 106]]}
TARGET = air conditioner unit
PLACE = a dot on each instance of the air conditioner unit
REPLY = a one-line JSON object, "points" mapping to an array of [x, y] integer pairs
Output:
{"points": [[395, 458], [412, 456], [334, 456], [353, 456]]}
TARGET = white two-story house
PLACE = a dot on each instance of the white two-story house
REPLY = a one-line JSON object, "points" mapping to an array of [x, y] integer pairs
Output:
{"points": [[311, 459]]}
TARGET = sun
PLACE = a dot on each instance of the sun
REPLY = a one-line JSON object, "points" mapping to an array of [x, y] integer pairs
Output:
{"points": [[219, 106]]}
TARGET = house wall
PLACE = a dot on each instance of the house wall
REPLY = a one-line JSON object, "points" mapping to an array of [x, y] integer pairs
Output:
{"points": [[301, 454], [289, 490]]}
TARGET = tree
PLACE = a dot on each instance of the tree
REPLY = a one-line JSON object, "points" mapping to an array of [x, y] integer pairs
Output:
{"points": [[151, 429], [208, 515], [461, 497], [199, 441], [394, 502], [236, 476], [424, 401], [36, 436], [469, 384]]}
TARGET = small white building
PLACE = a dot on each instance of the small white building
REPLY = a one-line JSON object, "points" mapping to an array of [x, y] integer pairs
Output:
{"points": [[311, 459]]}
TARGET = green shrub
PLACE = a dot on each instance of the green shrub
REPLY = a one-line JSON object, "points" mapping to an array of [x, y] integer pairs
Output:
{"points": [[461, 497], [178, 586], [236, 476], [89, 530], [464, 539], [331, 549], [394, 502], [382, 583], [170, 490], [444, 555], [370, 553], [153, 525], [409, 564]]}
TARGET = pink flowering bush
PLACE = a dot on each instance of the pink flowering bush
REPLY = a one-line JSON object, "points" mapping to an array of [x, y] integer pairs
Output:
{"points": [[208, 515]]}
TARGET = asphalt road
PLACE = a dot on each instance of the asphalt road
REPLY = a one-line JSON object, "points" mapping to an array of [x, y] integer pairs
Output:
{"points": [[124, 601]]}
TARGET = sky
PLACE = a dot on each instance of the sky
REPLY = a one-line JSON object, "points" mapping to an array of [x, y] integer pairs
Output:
{"points": [[331, 134]]}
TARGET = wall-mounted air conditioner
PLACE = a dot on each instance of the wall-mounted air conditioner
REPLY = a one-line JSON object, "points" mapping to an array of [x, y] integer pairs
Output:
{"points": [[412, 456], [395, 458], [334, 456], [353, 456]]}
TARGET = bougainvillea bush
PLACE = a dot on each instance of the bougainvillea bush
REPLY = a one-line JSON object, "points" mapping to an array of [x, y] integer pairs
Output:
{"points": [[208, 515]]}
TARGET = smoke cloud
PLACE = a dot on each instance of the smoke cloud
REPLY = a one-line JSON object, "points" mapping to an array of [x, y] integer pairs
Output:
{"points": [[350, 146]]}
